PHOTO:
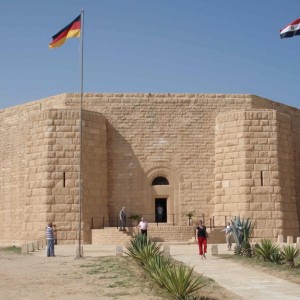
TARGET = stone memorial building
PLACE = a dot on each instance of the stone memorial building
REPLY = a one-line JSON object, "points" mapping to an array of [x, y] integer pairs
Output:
{"points": [[216, 156]]}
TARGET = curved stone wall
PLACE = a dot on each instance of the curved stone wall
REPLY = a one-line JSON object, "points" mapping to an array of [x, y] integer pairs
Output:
{"points": [[254, 175]]}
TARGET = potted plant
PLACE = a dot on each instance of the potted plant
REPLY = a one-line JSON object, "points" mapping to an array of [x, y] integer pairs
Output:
{"points": [[134, 219], [190, 215]]}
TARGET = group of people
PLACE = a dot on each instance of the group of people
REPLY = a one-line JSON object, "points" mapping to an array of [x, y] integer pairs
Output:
{"points": [[202, 237], [201, 234], [143, 224]]}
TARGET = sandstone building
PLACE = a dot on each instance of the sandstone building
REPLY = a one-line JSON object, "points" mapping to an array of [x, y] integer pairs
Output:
{"points": [[216, 155]]}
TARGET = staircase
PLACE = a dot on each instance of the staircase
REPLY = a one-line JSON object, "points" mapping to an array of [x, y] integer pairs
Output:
{"points": [[161, 233], [111, 236]]}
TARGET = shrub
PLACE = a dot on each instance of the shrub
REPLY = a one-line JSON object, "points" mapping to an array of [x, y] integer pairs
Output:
{"points": [[142, 249], [289, 254], [268, 250], [242, 230], [180, 281], [176, 279]]}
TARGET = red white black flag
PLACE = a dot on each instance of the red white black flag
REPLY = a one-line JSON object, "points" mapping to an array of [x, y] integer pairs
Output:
{"points": [[291, 29]]}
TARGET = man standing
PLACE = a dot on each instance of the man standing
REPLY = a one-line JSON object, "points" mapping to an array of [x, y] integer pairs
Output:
{"points": [[144, 226], [160, 211], [50, 239], [228, 233], [122, 216]]}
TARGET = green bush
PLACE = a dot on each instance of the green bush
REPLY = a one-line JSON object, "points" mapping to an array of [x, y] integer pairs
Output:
{"points": [[178, 280], [242, 230], [289, 254], [142, 249], [267, 250]]}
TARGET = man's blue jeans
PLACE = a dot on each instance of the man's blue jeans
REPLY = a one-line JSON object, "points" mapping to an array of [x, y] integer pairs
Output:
{"points": [[50, 248]]}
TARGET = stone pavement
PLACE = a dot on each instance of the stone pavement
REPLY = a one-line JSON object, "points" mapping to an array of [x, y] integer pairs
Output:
{"points": [[245, 282]]}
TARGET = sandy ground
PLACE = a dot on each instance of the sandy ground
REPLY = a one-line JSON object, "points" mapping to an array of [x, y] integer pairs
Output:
{"points": [[24, 276], [27, 276]]}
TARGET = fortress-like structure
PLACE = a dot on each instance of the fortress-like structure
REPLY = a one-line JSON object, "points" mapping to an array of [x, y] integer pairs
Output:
{"points": [[216, 155]]}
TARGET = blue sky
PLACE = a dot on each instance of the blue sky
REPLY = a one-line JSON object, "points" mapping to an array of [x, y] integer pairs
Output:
{"points": [[150, 46]]}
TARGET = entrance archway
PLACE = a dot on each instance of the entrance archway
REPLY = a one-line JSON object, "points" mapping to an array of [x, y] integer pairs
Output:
{"points": [[163, 185], [161, 195], [161, 210]]}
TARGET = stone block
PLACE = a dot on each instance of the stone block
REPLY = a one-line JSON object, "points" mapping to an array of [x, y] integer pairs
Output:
{"points": [[289, 239], [24, 249], [214, 250], [35, 245], [280, 239], [30, 247], [119, 250]]}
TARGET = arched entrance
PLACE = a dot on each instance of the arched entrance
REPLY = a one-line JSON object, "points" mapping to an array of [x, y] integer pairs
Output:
{"points": [[161, 198], [162, 181]]}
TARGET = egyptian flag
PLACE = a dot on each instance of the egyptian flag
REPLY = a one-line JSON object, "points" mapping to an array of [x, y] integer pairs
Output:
{"points": [[70, 31], [291, 29]]}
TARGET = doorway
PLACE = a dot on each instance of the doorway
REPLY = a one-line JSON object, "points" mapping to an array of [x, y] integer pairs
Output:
{"points": [[161, 210]]}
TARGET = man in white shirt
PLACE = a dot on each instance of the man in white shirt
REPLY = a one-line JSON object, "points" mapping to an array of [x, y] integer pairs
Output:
{"points": [[144, 226]]}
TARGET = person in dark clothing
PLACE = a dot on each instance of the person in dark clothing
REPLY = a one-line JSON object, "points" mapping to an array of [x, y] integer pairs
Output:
{"points": [[202, 239], [122, 217]]}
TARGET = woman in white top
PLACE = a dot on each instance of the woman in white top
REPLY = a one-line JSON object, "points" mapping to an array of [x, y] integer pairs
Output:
{"points": [[228, 233]]}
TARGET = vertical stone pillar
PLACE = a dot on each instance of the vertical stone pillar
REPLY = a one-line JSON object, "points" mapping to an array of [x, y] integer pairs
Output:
{"points": [[290, 239], [280, 239]]}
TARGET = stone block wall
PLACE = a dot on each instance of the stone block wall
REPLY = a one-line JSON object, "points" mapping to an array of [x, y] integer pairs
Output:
{"points": [[52, 174], [40, 155], [254, 176], [94, 205], [223, 155], [13, 136], [160, 134]]}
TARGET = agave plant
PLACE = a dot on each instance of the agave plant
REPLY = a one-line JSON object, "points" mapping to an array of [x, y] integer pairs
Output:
{"points": [[289, 254], [267, 250], [180, 281], [155, 266], [277, 257], [141, 248], [242, 230]]}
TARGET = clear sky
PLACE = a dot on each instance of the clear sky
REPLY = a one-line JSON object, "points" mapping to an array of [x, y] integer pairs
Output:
{"points": [[150, 46]]}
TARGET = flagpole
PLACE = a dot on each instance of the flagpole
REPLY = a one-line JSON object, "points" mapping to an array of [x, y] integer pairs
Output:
{"points": [[79, 251]]}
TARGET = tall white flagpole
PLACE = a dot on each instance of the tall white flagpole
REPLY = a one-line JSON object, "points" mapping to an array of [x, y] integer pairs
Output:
{"points": [[79, 250]]}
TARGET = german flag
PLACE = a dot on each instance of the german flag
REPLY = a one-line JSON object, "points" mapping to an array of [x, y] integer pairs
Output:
{"points": [[70, 31]]}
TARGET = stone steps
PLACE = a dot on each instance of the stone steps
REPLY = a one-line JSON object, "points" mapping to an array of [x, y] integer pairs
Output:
{"points": [[161, 233], [111, 236]]}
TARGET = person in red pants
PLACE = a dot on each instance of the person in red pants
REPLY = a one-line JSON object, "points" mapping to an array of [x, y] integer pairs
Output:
{"points": [[202, 239]]}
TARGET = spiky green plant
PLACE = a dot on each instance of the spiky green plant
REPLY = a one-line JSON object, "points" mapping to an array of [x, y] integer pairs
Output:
{"points": [[142, 249], [180, 281], [177, 280], [156, 266], [289, 253], [242, 230], [266, 249], [277, 257]]}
